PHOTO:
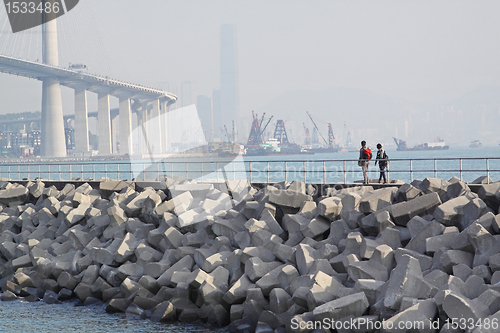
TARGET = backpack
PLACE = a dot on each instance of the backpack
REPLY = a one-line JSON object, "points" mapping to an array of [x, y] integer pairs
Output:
{"points": [[367, 153], [384, 159]]}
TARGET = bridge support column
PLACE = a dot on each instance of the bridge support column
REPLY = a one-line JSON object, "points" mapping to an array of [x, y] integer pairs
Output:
{"points": [[81, 121], [156, 129], [53, 136], [104, 124], [114, 135], [125, 126]]}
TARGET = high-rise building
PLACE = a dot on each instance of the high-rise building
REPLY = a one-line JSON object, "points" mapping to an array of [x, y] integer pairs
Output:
{"points": [[229, 92], [205, 113]]}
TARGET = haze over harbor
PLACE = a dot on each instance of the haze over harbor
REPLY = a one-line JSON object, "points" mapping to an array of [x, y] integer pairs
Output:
{"points": [[373, 65]]}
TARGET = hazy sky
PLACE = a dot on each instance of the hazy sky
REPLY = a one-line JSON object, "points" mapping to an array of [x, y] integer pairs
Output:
{"points": [[424, 51]]}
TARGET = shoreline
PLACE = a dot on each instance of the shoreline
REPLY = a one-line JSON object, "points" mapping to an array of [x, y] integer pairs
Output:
{"points": [[249, 257]]}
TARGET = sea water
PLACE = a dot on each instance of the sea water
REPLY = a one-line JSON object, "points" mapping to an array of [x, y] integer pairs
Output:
{"points": [[338, 167]]}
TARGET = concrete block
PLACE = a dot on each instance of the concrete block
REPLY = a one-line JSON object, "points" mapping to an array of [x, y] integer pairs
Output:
{"points": [[406, 280], [330, 208], [14, 196], [419, 241], [490, 194], [126, 248], [289, 199], [376, 200], [451, 258], [424, 261], [407, 192], [417, 317], [304, 256], [238, 291], [318, 226], [285, 253], [269, 281], [255, 268], [341, 308], [114, 186], [459, 306], [403, 212], [185, 262]]}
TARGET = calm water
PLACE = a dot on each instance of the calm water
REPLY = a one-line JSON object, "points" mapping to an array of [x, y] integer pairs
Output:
{"points": [[339, 167], [23, 317]]}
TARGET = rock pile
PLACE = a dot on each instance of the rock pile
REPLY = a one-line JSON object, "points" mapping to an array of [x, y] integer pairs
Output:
{"points": [[275, 259]]}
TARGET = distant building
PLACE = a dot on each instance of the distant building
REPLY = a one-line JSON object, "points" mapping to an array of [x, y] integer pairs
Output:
{"points": [[229, 88], [205, 113]]}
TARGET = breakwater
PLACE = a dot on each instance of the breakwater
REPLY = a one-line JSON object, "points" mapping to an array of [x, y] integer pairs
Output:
{"points": [[271, 258]]}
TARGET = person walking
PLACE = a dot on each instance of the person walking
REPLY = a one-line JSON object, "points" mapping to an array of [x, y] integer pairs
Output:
{"points": [[382, 162], [365, 155]]}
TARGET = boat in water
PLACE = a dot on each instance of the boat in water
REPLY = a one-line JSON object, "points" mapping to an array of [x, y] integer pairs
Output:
{"points": [[274, 147], [438, 144], [475, 144]]}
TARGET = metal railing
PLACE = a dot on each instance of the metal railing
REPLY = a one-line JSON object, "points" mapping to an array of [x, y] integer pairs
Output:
{"points": [[314, 171]]}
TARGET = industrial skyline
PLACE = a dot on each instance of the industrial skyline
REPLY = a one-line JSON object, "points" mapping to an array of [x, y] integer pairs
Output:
{"points": [[423, 56]]}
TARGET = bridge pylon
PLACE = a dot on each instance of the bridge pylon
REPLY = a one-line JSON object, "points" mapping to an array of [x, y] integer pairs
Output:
{"points": [[53, 143]]}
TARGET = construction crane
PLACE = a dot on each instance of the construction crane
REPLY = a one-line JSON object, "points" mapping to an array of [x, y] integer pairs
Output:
{"points": [[307, 140], [280, 132], [255, 138], [316, 127], [262, 132], [331, 137]]}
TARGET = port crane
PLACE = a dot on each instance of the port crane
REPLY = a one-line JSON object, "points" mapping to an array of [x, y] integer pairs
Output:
{"points": [[315, 126], [255, 137]]}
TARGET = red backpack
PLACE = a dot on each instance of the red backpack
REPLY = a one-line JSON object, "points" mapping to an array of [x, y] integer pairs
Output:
{"points": [[368, 153]]}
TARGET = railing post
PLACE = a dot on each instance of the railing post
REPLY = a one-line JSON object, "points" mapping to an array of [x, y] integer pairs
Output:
{"points": [[267, 171], [435, 168], [411, 171], [187, 174], [324, 172], [286, 175], [202, 171], [118, 171], [304, 171], [487, 170], [345, 173], [250, 171], [106, 170], [461, 178], [59, 170], [93, 171]]}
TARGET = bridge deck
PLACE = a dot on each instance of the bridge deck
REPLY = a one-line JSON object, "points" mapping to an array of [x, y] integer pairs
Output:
{"points": [[72, 79]]}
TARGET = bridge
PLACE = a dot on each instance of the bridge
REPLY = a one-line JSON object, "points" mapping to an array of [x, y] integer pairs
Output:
{"points": [[148, 103]]}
